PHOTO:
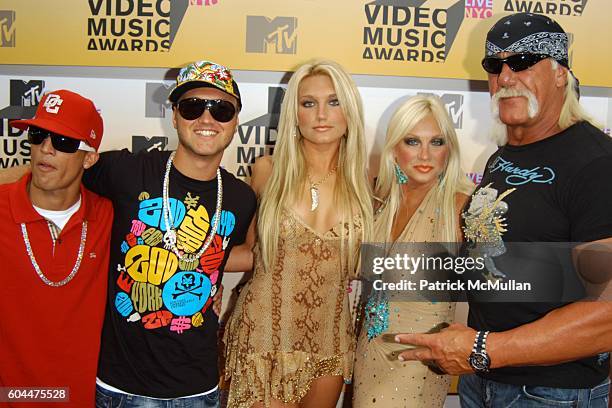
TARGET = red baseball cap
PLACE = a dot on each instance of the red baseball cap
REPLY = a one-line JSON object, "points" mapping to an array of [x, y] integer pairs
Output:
{"points": [[68, 114]]}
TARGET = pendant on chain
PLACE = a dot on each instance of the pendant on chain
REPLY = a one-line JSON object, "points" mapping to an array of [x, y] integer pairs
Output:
{"points": [[314, 197]]}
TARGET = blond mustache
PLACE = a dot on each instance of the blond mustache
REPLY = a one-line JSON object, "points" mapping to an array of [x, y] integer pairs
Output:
{"points": [[533, 106], [512, 93]]}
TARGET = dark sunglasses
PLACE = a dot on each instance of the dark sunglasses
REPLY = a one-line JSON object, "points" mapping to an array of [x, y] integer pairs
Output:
{"points": [[192, 108], [516, 62], [60, 143]]}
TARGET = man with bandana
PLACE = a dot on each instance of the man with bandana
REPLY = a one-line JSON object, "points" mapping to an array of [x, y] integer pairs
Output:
{"points": [[548, 182]]}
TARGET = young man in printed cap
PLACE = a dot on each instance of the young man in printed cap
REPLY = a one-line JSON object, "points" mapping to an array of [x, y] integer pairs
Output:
{"points": [[177, 217], [550, 182], [54, 251]]}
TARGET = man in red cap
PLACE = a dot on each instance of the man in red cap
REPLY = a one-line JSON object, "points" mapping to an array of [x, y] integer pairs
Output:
{"points": [[54, 249], [177, 217]]}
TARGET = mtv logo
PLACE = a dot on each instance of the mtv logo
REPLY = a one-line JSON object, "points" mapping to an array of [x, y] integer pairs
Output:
{"points": [[454, 106], [156, 99], [24, 98], [148, 143], [277, 36], [7, 28], [26, 93]]}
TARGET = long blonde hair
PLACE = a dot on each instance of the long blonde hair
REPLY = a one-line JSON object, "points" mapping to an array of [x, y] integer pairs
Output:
{"points": [[571, 111], [286, 182], [453, 180]]}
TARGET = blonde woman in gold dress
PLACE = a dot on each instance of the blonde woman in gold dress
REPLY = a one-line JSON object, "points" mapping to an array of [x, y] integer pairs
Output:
{"points": [[423, 189], [290, 341]]}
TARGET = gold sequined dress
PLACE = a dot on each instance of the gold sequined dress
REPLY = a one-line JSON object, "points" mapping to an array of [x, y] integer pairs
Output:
{"points": [[381, 380], [293, 324]]}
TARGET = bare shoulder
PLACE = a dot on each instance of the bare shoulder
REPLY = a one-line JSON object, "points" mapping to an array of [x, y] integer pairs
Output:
{"points": [[261, 171], [262, 163], [460, 200]]}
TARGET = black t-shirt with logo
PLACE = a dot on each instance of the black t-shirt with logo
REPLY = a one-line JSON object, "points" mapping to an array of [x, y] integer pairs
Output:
{"points": [[160, 332], [558, 189]]}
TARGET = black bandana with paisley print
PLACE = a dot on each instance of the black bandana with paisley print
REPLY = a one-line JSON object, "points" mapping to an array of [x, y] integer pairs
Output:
{"points": [[528, 33]]}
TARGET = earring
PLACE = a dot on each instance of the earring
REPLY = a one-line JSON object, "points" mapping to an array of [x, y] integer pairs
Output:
{"points": [[400, 176]]}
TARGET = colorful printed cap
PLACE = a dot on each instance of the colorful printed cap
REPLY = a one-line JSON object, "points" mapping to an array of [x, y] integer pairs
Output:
{"points": [[205, 74]]}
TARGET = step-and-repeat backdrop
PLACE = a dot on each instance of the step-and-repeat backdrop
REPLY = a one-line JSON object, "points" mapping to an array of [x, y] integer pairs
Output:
{"points": [[404, 38], [427, 38], [137, 115]]}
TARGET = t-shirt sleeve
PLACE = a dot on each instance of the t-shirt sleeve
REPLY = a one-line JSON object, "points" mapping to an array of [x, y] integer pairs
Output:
{"points": [[590, 207], [105, 177]]}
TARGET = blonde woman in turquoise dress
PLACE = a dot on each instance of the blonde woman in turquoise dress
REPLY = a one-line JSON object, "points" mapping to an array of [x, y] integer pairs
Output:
{"points": [[422, 189]]}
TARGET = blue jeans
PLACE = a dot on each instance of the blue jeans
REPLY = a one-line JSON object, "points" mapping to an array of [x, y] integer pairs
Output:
{"points": [[476, 392], [110, 399]]}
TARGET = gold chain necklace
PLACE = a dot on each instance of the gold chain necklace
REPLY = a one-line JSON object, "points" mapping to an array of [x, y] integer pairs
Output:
{"points": [[314, 191]]}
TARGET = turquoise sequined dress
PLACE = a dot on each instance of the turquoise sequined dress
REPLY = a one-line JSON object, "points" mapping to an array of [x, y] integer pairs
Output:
{"points": [[381, 380]]}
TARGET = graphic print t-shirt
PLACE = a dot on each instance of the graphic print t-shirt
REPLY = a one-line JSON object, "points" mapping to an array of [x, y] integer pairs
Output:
{"points": [[160, 332], [555, 190]]}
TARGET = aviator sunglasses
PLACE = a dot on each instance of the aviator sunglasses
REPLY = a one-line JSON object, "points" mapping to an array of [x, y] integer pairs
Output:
{"points": [[60, 143], [516, 62], [192, 108]]}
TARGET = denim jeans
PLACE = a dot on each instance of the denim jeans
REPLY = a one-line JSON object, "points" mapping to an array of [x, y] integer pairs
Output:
{"points": [[110, 399], [476, 392]]}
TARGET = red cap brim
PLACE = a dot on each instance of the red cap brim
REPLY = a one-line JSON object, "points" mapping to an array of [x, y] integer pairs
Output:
{"points": [[50, 125]]}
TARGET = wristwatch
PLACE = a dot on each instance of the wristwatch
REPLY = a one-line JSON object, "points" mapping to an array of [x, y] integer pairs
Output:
{"points": [[479, 359]]}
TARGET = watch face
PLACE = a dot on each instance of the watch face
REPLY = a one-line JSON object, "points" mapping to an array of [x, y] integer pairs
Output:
{"points": [[480, 361]]}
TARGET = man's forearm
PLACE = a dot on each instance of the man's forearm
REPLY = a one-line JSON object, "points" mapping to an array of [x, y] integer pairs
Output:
{"points": [[569, 333], [240, 259]]}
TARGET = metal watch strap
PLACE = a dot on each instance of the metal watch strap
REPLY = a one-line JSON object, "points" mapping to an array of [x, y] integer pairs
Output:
{"points": [[476, 341], [479, 359], [484, 343], [480, 342]]}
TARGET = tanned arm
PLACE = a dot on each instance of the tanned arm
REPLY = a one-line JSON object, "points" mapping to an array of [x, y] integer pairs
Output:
{"points": [[572, 332], [12, 174]]}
